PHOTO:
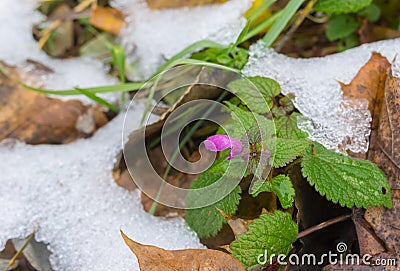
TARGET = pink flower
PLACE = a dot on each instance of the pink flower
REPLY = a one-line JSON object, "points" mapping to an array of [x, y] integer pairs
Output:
{"points": [[222, 142]]}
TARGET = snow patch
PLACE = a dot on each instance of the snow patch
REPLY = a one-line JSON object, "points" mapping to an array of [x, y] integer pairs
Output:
{"points": [[152, 36], [67, 193], [18, 45], [332, 121]]}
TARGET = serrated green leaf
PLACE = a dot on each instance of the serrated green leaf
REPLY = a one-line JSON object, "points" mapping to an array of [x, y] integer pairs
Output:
{"points": [[346, 180], [341, 6], [243, 121], [281, 186], [207, 221], [341, 26], [273, 233], [256, 92], [286, 150], [286, 127]]}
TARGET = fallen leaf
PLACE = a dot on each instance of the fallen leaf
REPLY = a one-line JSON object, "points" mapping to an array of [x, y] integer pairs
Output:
{"points": [[108, 19], [63, 41], [37, 119], [379, 233], [370, 32], [160, 4], [369, 84], [154, 258], [386, 155]]}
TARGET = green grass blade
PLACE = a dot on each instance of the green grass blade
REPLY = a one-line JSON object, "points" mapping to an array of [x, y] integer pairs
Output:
{"points": [[98, 100], [242, 34], [118, 58], [280, 24], [266, 23], [188, 50], [256, 13]]}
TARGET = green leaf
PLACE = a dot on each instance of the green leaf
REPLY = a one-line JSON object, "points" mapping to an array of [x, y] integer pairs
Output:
{"points": [[282, 21], [256, 92], [286, 150], [372, 13], [346, 180], [118, 58], [341, 6], [207, 221], [243, 121], [242, 34], [286, 127], [341, 26], [273, 233], [281, 186], [348, 42]]}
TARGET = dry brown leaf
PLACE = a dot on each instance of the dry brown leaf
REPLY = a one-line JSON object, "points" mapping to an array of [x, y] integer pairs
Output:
{"points": [[160, 4], [376, 83], [386, 155], [37, 119], [369, 84], [153, 258], [64, 41], [237, 224], [370, 32], [108, 19]]}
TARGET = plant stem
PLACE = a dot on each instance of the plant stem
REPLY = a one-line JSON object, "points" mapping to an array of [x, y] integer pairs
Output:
{"points": [[12, 260], [323, 225], [296, 24], [176, 152]]}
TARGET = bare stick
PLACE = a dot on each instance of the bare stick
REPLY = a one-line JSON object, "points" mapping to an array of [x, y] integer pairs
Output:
{"points": [[323, 225]]}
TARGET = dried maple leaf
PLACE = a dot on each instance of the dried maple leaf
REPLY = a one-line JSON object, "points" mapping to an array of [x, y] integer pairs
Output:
{"points": [[153, 258]]}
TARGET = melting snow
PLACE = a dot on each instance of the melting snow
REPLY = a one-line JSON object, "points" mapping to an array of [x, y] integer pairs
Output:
{"points": [[68, 194], [18, 45], [151, 36], [314, 81]]}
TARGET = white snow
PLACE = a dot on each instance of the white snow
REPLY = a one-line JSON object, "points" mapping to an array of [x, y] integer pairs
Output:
{"points": [[18, 45], [314, 81], [396, 67], [152, 36], [68, 194]]}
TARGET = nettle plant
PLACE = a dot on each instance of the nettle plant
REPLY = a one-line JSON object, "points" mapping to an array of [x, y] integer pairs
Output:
{"points": [[263, 137]]}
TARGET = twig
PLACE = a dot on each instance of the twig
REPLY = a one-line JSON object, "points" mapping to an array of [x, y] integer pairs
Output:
{"points": [[12, 260], [323, 225], [302, 15]]}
